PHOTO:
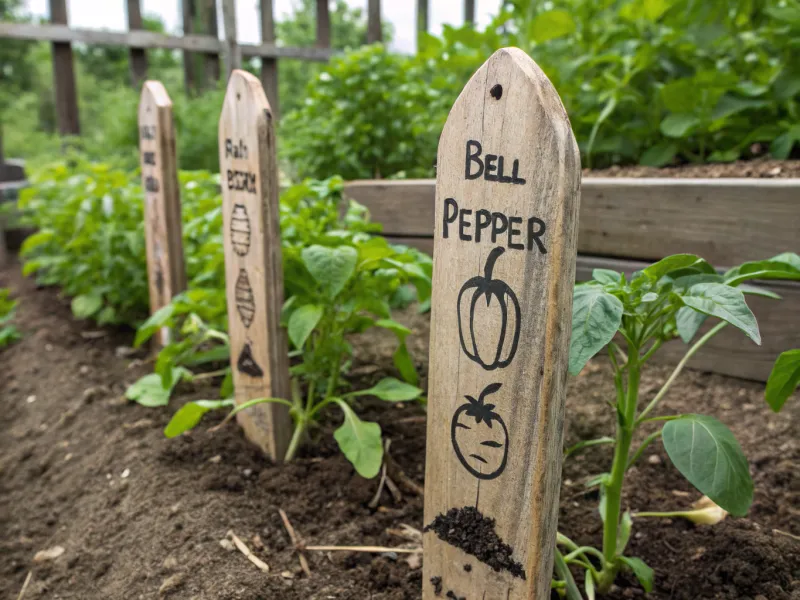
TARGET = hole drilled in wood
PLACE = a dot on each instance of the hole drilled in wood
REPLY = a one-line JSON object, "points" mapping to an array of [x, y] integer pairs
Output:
{"points": [[496, 91]]}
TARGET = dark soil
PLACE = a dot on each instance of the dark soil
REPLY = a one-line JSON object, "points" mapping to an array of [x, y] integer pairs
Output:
{"points": [[759, 168], [466, 528], [140, 516]]}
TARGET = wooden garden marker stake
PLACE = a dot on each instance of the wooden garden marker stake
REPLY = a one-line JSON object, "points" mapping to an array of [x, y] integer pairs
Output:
{"points": [[507, 194], [162, 208], [253, 268]]}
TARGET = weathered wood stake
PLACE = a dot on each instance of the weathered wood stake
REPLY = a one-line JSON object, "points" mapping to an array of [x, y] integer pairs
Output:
{"points": [[507, 194], [166, 271], [253, 268]]}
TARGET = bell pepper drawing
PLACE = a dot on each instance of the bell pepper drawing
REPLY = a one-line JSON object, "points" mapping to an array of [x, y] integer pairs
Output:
{"points": [[479, 436], [491, 347]]}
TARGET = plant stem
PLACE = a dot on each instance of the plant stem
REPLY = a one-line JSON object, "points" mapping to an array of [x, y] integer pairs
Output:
{"points": [[297, 438], [692, 351], [562, 570], [613, 491], [648, 440]]}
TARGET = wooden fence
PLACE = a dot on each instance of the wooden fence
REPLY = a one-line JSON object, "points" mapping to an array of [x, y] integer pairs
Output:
{"points": [[626, 223], [207, 43]]}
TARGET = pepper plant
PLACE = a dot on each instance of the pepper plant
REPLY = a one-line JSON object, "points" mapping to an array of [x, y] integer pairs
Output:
{"points": [[8, 333], [340, 280], [632, 318]]}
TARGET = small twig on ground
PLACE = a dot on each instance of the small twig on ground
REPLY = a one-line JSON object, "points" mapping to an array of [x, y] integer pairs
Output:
{"points": [[407, 532], [248, 553], [296, 542], [394, 490], [404, 480], [787, 534], [25, 585], [377, 497], [416, 419], [372, 549]]}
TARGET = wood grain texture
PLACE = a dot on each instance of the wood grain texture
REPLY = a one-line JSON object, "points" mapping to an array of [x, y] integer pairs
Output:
{"points": [[644, 219], [323, 24], [66, 93], [374, 26], [166, 271], [269, 66], [138, 57], [233, 53], [253, 267], [469, 351], [188, 11], [151, 39]]}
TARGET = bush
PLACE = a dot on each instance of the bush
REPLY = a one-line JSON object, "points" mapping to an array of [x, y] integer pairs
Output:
{"points": [[370, 114]]}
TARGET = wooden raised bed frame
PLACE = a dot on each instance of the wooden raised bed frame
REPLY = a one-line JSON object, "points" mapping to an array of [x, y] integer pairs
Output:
{"points": [[627, 223]]}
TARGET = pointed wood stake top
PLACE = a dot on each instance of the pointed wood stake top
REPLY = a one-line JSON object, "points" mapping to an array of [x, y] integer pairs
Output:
{"points": [[507, 194], [162, 208], [253, 268]]}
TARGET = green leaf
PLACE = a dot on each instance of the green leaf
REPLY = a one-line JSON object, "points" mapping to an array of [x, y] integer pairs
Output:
{"points": [[332, 268], [753, 290], [659, 155], [392, 390], [302, 323], [400, 330], [149, 391], [157, 320], [650, 297], [784, 266], [86, 305], [550, 25], [360, 441], [724, 302], [689, 321], [190, 414], [606, 276], [678, 125], [672, 263], [708, 455], [596, 317], [783, 380], [643, 573], [624, 532], [405, 364], [226, 388], [653, 9]]}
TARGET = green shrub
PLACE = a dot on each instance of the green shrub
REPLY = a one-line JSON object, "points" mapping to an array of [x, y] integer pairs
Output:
{"points": [[370, 114]]}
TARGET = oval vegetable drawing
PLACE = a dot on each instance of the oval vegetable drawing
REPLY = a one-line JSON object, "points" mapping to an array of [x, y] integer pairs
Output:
{"points": [[244, 298], [479, 436], [240, 230], [498, 320]]}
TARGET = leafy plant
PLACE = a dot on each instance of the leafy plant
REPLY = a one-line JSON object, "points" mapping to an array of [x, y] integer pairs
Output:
{"points": [[671, 298], [8, 333], [370, 114], [341, 279]]}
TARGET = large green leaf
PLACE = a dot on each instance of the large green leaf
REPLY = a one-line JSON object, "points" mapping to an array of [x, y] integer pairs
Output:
{"points": [[150, 391], [689, 321], [708, 455], [550, 25], [190, 414], [157, 320], [392, 390], [783, 380], [724, 302], [672, 263], [678, 125], [302, 323], [360, 441], [332, 268], [86, 305], [596, 317]]}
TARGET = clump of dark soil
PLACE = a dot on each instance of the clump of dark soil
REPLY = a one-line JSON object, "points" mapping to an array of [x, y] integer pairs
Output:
{"points": [[466, 528]]}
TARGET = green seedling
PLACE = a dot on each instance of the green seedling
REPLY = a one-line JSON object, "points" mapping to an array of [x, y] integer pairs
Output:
{"points": [[632, 319], [340, 279]]}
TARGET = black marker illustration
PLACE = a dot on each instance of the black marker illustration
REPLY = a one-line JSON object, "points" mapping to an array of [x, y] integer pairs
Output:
{"points": [[488, 350], [247, 364], [480, 437], [240, 230], [245, 303], [470, 531]]}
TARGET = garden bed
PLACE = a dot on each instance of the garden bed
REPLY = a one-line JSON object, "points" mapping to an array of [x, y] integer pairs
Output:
{"points": [[136, 513]]}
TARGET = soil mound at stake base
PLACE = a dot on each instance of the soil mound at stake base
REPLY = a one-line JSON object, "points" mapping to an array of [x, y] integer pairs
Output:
{"points": [[467, 529]]}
